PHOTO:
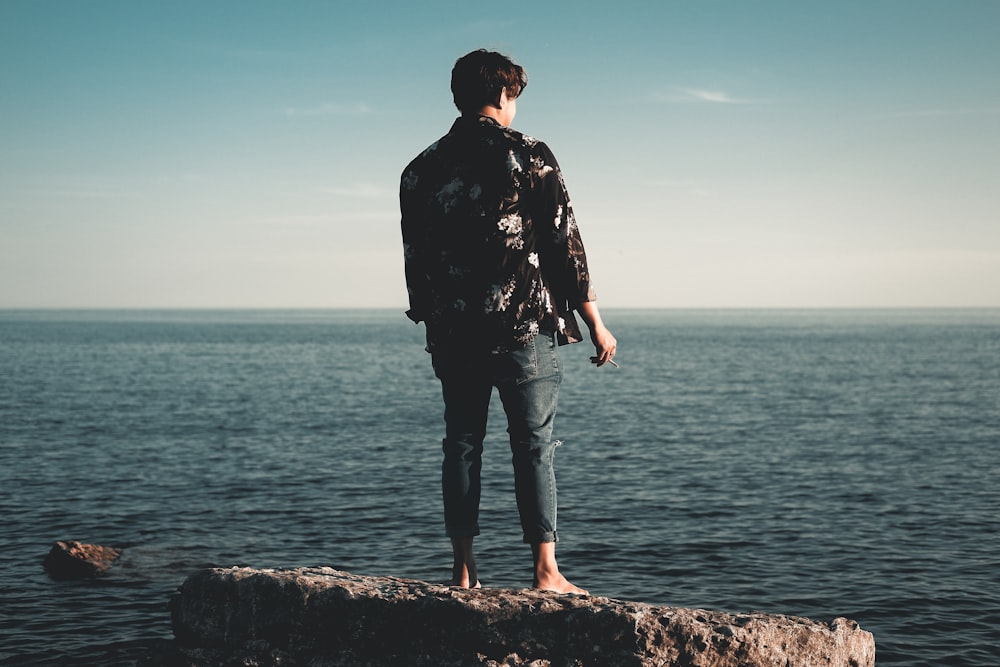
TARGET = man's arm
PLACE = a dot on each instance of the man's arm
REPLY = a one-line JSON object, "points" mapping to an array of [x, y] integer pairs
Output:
{"points": [[565, 263], [605, 344], [414, 242], [569, 275]]}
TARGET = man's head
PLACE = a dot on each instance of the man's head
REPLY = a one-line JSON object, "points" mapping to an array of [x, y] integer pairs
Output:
{"points": [[485, 79]]}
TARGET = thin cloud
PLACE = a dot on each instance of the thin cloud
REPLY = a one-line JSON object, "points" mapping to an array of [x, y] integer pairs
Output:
{"points": [[702, 95], [328, 109], [715, 96]]}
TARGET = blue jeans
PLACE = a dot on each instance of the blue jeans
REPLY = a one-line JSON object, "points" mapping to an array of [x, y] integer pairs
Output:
{"points": [[528, 382]]}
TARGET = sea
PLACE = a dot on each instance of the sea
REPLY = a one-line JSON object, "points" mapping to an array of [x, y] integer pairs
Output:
{"points": [[817, 463]]}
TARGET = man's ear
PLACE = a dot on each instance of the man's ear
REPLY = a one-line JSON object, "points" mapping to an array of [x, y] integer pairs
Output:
{"points": [[502, 98]]}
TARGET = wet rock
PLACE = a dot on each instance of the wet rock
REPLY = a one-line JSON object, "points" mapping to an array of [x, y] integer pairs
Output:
{"points": [[76, 560], [322, 616]]}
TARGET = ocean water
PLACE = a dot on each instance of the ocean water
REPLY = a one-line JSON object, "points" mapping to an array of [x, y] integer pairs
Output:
{"points": [[815, 463]]}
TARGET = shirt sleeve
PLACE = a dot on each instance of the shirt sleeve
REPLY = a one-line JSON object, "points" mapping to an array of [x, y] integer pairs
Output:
{"points": [[564, 260], [414, 232]]}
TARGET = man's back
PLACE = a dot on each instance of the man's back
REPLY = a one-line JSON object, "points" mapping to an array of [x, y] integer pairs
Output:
{"points": [[491, 245]]}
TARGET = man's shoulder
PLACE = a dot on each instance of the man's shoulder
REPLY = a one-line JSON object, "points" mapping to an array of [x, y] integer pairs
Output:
{"points": [[427, 154], [425, 160], [527, 141], [534, 149], [495, 139], [493, 132]]}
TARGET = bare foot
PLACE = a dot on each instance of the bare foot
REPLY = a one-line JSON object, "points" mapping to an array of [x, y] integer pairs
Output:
{"points": [[557, 584], [547, 575], [462, 578], [463, 569]]}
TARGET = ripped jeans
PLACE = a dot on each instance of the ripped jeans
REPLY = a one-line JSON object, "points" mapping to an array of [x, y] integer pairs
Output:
{"points": [[528, 382]]}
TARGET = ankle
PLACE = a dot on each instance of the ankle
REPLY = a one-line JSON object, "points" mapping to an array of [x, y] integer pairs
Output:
{"points": [[463, 573]]}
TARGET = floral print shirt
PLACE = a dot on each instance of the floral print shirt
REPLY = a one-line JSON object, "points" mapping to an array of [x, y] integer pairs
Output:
{"points": [[491, 248]]}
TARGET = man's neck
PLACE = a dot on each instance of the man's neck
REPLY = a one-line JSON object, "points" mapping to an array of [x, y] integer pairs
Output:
{"points": [[493, 112]]}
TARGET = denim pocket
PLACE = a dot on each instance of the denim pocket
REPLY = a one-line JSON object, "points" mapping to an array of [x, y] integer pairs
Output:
{"points": [[518, 365]]}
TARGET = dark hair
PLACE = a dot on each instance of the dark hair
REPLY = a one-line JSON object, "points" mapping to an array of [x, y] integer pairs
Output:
{"points": [[478, 78]]}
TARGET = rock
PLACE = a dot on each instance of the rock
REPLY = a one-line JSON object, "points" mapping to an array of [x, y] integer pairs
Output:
{"points": [[75, 560], [322, 616]]}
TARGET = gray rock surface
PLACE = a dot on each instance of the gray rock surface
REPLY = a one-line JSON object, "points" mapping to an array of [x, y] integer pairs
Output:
{"points": [[322, 616], [76, 560]]}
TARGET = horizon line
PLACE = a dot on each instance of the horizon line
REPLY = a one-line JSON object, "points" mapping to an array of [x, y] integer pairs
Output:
{"points": [[404, 308]]}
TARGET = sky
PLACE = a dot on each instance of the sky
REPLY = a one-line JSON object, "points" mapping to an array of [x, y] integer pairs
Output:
{"points": [[745, 154]]}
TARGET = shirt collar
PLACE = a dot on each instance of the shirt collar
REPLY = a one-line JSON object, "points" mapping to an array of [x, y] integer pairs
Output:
{"points": [[477, 120]]}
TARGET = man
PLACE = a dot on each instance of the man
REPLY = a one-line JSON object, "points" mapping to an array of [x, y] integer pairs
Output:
{"points": [[495, 268]]}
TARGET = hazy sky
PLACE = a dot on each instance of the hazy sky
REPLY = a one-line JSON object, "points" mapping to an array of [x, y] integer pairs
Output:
{"points": [[719, 154]]}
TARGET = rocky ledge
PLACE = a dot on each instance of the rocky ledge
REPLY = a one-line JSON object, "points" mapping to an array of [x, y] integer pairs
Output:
{"points": [[325, 617]]}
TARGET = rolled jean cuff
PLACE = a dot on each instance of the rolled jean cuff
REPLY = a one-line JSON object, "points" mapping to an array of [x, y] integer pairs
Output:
{"points": [[461, 531], [541, 538]]}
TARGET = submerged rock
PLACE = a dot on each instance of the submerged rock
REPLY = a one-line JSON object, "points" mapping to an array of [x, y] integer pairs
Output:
{"points": [[322, 616], [76, 560]]}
